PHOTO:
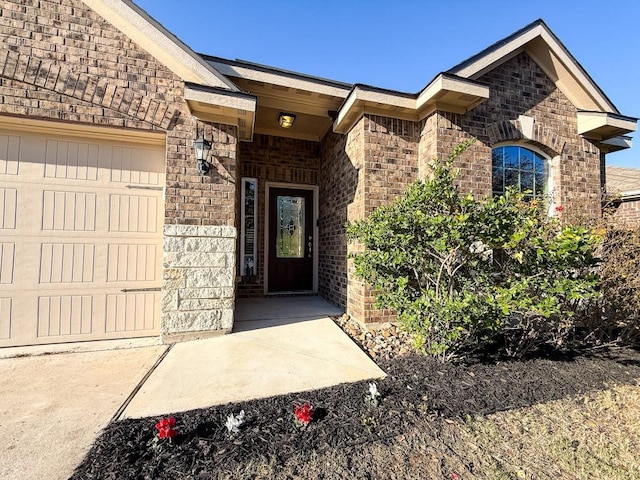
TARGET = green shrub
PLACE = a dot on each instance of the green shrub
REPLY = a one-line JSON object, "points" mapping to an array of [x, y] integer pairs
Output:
{"points": [[461, 272]]}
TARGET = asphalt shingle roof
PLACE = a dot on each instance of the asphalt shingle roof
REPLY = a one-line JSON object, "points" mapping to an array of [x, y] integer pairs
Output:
{"points": [[621, 179]]}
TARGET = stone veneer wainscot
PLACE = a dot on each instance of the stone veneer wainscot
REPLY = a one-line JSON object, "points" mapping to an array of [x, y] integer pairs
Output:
{"points": [[198, 281]]}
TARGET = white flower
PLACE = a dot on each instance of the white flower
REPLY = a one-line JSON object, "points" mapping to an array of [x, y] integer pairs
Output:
{"points": [[234, 422], [373, 390]]}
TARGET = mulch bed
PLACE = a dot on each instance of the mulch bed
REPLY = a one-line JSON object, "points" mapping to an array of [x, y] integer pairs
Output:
{"points": [[417, 391]]}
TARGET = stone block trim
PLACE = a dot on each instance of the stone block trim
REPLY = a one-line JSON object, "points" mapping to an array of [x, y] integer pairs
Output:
{"points": [[198, 279], [511, 131]]}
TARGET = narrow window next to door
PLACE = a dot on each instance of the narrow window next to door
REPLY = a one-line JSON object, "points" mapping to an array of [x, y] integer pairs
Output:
{"points": [[248, 246]]}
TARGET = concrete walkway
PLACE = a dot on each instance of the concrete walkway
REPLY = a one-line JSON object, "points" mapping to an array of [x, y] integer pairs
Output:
{"points": [[272, 352], [53, 406]]}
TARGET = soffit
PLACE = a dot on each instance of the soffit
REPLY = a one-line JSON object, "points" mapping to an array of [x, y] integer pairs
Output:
{"points": [[311, 99], [221, 106], [615, 144], [603, 126]]}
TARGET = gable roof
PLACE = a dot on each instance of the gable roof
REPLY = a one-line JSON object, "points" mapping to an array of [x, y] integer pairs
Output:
{"points": [[159, 42], [541, 44], [209, 94]]}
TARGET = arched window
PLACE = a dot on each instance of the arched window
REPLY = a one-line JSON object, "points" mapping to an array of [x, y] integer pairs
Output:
{"points": [[513, 165]]}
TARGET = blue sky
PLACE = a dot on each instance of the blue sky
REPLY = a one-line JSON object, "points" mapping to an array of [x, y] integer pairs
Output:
{"points": [[403, 44]]}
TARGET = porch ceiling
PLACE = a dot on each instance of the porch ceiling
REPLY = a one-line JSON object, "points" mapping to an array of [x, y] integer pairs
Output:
{"points": [[312, 99], [312, 109]]}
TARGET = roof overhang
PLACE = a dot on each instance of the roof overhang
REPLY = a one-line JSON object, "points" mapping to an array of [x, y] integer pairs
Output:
{"points": [[311, 99], [539, 42], [615, 144], [136, 24], [218, 105], [445, 93], [450, 94], [604, 125], [364, 99], [630, 195]]}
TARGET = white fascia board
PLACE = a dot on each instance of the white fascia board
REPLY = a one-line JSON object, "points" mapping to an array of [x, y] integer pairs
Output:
{"points": [[360, 96], [497, 55], [273, 78], [478, 67], [159, 42], [590, 121], [443, 83], [221, 99]]}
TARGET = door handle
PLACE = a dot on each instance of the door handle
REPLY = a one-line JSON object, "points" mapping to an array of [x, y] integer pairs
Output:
{"points": [[310, 246]]}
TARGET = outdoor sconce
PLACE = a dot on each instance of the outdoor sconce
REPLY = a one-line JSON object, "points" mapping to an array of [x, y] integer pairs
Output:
{"points": [[286, 119], [202, 147]]}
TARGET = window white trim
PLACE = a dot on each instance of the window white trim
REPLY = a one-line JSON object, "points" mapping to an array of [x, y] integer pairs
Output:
{"points": [[251, 268], [551, 165]]}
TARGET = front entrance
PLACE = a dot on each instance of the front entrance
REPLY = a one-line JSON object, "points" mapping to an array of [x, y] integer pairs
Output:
{"points": [[290, 240]]}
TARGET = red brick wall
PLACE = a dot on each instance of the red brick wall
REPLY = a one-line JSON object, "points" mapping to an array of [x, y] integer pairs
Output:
{"points": [[359, 172], [628, 214], [60, 61], [520, 87], [274, 159]]}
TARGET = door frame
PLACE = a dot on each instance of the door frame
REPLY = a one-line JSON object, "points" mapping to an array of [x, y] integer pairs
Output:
{"points": [[316, 210]]}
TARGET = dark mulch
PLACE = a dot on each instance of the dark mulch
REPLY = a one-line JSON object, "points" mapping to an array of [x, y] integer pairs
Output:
{"points": [[417, 390]]}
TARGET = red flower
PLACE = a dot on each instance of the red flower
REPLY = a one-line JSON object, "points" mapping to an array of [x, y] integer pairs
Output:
{"points": [[168, 422], [164, 427], [167, 433], [559, 208], [303, 413], [455, 476]]}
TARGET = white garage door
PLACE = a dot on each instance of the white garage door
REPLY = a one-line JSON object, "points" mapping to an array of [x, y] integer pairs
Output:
{"points": [[80, 238]]}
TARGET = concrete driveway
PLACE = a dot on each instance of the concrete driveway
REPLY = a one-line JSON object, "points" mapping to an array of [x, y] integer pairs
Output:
{"points": [[53, 406]]}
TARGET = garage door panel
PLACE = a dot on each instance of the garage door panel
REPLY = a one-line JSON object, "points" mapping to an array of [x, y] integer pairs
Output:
{"points": [[67, 262], [136, 166], [7, 263], [5, 317], [133, 213], [8, 208], [65, 315], [132, 263], [9, 154], [72, 211], [132, 311], [71, 160]]}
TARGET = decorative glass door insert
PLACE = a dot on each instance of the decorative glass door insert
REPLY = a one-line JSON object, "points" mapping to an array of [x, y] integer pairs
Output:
{"points": [[291, 221]]}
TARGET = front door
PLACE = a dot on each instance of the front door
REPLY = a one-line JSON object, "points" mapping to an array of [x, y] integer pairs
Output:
{"points": [[290, 240]]}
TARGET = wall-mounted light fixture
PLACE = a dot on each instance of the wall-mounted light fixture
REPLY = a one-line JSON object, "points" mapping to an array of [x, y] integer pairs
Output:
{"points": [[202, 147], [286, 119]]}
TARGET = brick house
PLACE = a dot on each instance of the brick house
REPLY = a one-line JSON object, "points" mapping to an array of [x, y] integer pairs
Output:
{"points": [[110, 228], [624, 185]]}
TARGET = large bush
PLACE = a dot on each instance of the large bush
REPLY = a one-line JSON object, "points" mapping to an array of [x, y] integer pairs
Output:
{"points": [[461, 272], [614, 316]]}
